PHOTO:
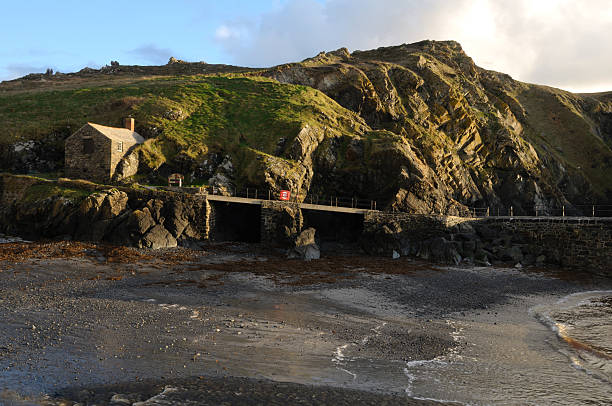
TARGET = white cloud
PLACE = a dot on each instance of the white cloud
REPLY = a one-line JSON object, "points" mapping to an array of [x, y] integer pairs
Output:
{"points": [[224, 33], [557, 42]]}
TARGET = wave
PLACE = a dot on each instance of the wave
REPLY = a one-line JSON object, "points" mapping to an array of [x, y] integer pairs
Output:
{"points": [[583, 322]]}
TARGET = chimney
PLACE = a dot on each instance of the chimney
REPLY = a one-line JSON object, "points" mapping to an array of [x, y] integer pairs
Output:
{"points": [[129, 123]]}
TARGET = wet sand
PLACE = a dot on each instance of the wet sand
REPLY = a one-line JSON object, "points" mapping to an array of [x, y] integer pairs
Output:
{"points": [[233, 323]]}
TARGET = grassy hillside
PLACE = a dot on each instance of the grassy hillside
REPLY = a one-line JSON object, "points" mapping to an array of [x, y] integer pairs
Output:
{"points": [[191, 115], [561, 126], [419, 127]]}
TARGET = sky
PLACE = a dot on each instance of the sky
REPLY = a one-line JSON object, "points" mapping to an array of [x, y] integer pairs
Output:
{"points": [[560, 43]]}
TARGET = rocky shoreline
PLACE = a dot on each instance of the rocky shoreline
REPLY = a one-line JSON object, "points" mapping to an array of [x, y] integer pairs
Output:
{"points": [[88, 322], [138, 217]]}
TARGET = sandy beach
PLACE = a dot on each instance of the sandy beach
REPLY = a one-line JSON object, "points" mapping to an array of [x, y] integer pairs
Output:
{"points": [[86, 324]]}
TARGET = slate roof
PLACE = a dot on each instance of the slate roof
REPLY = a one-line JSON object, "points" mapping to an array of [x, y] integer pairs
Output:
{"points": [[118, 134]]}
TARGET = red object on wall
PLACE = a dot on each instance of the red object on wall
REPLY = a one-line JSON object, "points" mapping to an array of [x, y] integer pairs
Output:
{"points": [[285, 195], [176, 179]]}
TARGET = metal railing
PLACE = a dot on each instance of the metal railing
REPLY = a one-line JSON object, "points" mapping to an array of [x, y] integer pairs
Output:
{"points": [[269, 194], [592, 210], [544, 211]]}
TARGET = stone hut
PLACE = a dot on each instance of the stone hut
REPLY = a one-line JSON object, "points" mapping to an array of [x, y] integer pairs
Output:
{"points": [[94, 151]]}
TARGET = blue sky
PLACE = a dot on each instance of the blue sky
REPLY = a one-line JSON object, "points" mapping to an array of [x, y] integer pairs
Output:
{"points": [[562, 43], [67, 35]]}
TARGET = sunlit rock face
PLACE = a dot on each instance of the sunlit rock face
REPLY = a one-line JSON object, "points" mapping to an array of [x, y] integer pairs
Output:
{"points": [[442, 134], [415, 127]]}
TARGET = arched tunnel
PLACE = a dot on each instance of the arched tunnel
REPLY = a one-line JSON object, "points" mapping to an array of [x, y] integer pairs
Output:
{"points": [[235, 222], [334, 227]]}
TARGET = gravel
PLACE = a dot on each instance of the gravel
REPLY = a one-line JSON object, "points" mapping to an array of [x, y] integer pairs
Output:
{"points": [[175, 329]]}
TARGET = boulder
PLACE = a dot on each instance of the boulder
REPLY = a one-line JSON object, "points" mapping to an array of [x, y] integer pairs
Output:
{"points": [[306, 237], [127, 166], [114, 204], [305, 246], [97, 230], [311, 252], [90, 207], [441, 250], [156, 238], [175, 218], [140, 221], [469, 247], [155, 207], [512, 254]]}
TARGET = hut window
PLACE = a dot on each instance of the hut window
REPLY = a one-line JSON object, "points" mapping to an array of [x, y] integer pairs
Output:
{"points": [[88, 145], [120, 146]]}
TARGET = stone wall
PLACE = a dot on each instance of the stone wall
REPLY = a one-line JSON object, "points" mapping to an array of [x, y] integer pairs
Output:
{"points": [[577, 243], [426, 237], [425, 226], [584, 243], [88, 161], [99, 160], [155, 219], [281, 222]]}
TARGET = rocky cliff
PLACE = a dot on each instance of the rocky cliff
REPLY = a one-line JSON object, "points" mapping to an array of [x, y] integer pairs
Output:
{"points": [[36, 208], [417, 127], [464, 136]]}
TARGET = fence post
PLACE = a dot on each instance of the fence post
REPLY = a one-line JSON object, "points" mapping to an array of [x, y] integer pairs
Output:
{"points": [[336, 201], [563, 210], [536, 211], [269, 194], [488, 212], [593, 210], [511, 211]]}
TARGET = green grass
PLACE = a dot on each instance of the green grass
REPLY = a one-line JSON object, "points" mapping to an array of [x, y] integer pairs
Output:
{"points": [[557, 124], [43, 190], [194, 114]]}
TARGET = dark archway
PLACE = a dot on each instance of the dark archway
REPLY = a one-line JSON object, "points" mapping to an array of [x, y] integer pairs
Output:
{"points": [[334, 226], [235, 222]]}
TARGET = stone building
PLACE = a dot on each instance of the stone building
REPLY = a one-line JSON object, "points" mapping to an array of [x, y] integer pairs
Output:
{"points": [[94, 151]]}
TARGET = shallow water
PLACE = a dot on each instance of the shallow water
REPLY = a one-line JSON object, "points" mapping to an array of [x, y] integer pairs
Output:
{"points": [[583, 322], [527, 358], [544, 348]]}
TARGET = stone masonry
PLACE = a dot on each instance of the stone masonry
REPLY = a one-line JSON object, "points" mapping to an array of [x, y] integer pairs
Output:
{"points": [[584, 243], [94, 151], [127, 216], [280, 222], [576, 243]]}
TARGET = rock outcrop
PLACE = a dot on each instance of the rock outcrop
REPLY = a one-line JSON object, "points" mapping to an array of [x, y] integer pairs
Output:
{"points": [[76, 210], [417, 127], [464, 136], [305, 246]]}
